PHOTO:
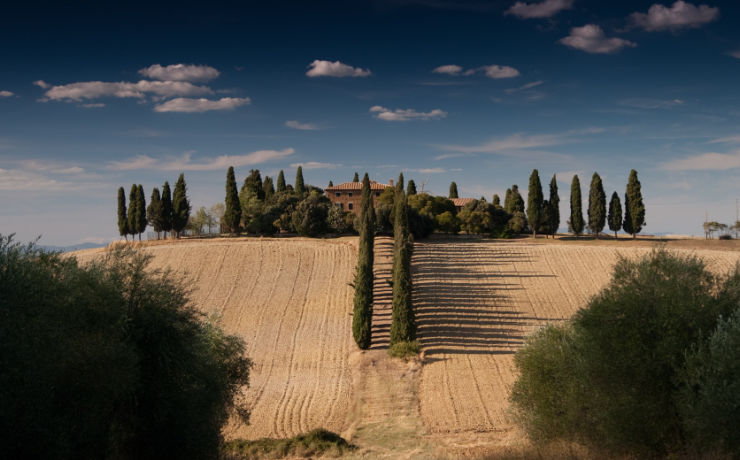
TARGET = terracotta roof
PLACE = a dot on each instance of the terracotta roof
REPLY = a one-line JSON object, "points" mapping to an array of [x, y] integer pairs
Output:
{"points": [[460, 202], [357, 186]]}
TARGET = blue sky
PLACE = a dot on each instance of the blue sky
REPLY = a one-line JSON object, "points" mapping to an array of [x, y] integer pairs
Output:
{"points": [[480, 93]]}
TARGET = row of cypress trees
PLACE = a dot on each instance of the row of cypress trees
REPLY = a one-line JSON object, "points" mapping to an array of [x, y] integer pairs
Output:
{"points": [[363, 300], [166, 212]]}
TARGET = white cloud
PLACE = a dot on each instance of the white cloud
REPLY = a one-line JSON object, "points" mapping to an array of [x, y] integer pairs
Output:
{"points": [[48, 166], [710, 161], [679, 16], [185, 162], [545, 9], [647, 103], [428, 170], [316, 165], [180, 72], [302, 126], [38, 176], [499, 71], [726, 140], [735, 54], [95, 105], [450, 69], [42, 84], [524, 87], [591, 39], [6, 93], [319, 68], [406, 114], [189, 105], [97, 89]]}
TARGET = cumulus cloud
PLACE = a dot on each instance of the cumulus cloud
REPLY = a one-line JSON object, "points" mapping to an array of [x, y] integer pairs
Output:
{"points": [[591, 39], [46, 176], [316, 165], [450, 69], [681, 15], [709, 161], [186, 162], [98, 89], [42, 84], [180, 72], [6, 93], [524, 87], [545, 9], [94, 105], [302, 126], [406, 114], [190, 105], [319, 68]]}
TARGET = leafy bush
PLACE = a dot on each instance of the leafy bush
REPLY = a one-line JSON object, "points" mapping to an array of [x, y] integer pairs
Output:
{"points": [[309, 217], [612, 378], [317, 442], [404, 349]]}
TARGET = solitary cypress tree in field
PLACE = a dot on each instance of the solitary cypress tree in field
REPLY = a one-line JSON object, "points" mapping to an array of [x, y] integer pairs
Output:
{"points": [[534, 202], [154, 211], [615, 214], [634, 208], [232, 206], [411, 188], [133, 204], [140, 211], [281, 182], [180, 206], [507, 201], [403, 326], [496, 200], [363, 301], [596, 205], [453, 190], [122, 215], [356, 178], [166, 208], [300, 187], [554, 206], [576, 214], [268, 187]]}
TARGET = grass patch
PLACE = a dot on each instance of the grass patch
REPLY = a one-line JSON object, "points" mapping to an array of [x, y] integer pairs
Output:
{"points": [[405, 350], [316, 442]]}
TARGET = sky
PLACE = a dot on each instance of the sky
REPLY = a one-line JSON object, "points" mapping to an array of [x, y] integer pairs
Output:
{"points": [[94, 97]]}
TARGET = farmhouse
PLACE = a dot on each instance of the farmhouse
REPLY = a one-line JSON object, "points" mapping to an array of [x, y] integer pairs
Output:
{"points": [[348, 195], [460, 202]]}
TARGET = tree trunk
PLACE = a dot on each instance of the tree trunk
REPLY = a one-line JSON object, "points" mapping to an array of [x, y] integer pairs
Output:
{"points": [[615, 235]]}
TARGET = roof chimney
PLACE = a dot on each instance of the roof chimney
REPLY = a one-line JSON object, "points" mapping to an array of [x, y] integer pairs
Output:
{"points": [[390, 181]]}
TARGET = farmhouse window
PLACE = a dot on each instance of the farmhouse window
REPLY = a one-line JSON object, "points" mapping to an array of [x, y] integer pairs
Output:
{"points": [[339, 205], [377, 193], [349, 193], [349, 206], [339, 194]]}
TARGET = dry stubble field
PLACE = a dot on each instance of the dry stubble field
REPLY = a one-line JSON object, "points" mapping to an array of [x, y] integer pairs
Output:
{"points": [[475, 301]]}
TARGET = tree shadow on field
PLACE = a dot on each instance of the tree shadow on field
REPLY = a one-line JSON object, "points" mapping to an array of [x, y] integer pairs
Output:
{"points": [[461, 303]]}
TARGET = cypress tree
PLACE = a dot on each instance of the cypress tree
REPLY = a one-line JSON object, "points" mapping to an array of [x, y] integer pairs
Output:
{"points": [[534, 202], [133, 203], [634, 208], [411, 188], [166, 208], [281, 182], [232, 206], [576, 213], [363, 300], [154, 211], [356, 178], [268, 187], [140, 211], [517, 202], [596, 205], [300, 187], [403, 327], [615, 214], [453, 190], [122, 216], [180, 206], [496, 200], [331, 184], [253, 184], [507, 201], [555, 206]]}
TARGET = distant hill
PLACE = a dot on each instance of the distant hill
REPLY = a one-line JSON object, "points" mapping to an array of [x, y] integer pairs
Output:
{"points": [[74, 247]]}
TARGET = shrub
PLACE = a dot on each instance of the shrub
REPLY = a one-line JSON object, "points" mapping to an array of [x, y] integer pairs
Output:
{"points": [[314, 443], [309, 217], [404, 349]]}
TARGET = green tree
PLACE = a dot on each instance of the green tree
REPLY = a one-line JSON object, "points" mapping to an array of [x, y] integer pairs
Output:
{"points": [[363, 300], [180, 206], [534, 202], [453, 190], [356, 177], [517, 202], [411, 188], [300, 187], [122, 215], [268, 188], [309, 217], [575, 223], [281, 182], [140, 211], [615, 214], [554, 206], [233, 210], [403, 325], [596, 205], [507, 201], [331, 184], [634, 208], [253, 184], [154, 212], [166, 208], [133, 212], [496, 200]]}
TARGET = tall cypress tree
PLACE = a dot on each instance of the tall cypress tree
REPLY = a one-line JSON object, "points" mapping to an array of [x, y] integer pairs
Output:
{"points": [[300, 187], [140, 211], [403, 325], [253, 184], [154, 211], [496, 200], [133, 203], [232, 206], [180, 206], [507, 201], [281, 182], [634, 208], [331, 183], [122, 216], [576, 213], [534, 202], [615, 214], [555, 206], [411, 188], [453, 190], [517, 202], [166, 208], [363, 300], [268, 187], [596, 205], [356, 177]]}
